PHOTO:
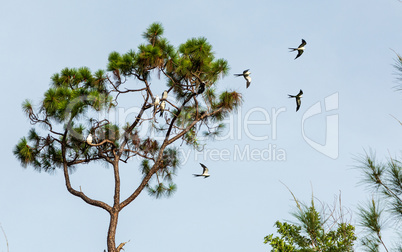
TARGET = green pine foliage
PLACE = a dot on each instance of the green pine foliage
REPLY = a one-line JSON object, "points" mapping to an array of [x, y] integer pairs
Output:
{"points": [[384, 180], [70, 110], [65, 115], [313, 232], [398, 67], [384, 210]]}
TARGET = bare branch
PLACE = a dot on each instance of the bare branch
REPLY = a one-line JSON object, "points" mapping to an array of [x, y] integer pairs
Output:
{"points": [[396, 119], [67, 178], [120, 247], [5, 237]]}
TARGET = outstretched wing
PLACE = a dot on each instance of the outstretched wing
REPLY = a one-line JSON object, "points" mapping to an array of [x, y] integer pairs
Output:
{"points": [[300, 93], [299, 53], [298, 102], [205, 169], [248, 79], [303, 43]]}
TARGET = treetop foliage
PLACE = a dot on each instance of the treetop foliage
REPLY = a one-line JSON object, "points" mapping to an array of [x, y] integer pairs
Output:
{"points": [[70, 109], [314, 231], [384, 210]]}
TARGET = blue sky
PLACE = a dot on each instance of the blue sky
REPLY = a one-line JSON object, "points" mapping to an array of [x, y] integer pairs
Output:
{"points": [[348, 54]]}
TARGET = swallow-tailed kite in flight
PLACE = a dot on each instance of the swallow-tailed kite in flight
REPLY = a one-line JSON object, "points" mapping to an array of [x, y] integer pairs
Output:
{"points": [[204, 172], [298, 101], [89, 139], [299, 49], [246, 75]]}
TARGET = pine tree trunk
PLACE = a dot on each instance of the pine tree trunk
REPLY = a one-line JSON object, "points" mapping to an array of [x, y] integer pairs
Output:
{"points": [[111, 234]]}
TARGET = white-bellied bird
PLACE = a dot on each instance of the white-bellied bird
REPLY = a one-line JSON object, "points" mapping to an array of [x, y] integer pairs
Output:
{"points": [[162, 107], [204, 172], [164, 95], [298, 101], [299, 49], [156, 103], [89, 139], [246, 75]]}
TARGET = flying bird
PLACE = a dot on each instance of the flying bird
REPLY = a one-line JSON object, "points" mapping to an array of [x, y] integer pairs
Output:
{"points": [[156, 103], [298, 101], [89, 139], [162, 106], [246, 75], [204, 172], [299, 49]]}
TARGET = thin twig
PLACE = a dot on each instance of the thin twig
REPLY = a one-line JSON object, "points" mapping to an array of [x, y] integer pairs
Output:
{"points": [[396, 119], [5, 236], [120, 247]]}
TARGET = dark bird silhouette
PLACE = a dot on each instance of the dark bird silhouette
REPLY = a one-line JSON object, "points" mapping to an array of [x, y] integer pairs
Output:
{"points": [[299, 49], [246, 75], [298, 101], [201, 88], [204, 172]]}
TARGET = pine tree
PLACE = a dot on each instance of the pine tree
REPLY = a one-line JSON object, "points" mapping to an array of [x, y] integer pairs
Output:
{"points": [[385, 208], [65, 116], [325, 230]]}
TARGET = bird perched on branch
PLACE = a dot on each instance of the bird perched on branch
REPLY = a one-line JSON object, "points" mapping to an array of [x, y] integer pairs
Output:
{"points": [[201, 88], [89, 139], [298, 101], [204, 172], [156, 103], [162, 107], [164, 95], [163, 102], [299, 49], [246, 75]]}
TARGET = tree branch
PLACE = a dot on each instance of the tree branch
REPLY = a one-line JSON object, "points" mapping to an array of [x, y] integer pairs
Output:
{"points": [[67, 178]]}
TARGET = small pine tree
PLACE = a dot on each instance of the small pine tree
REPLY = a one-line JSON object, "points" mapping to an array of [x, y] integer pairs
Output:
{"points": [[384, 179], [191, 74], [385, 207], [314, 231]]}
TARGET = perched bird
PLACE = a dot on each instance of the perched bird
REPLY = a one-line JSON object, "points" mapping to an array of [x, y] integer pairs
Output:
{"points": [[89, 139], [299, 49], [164, 95], [204, 172], [156, 103], [162, 107], [201, 88], [298, 101], [246, 75]]}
